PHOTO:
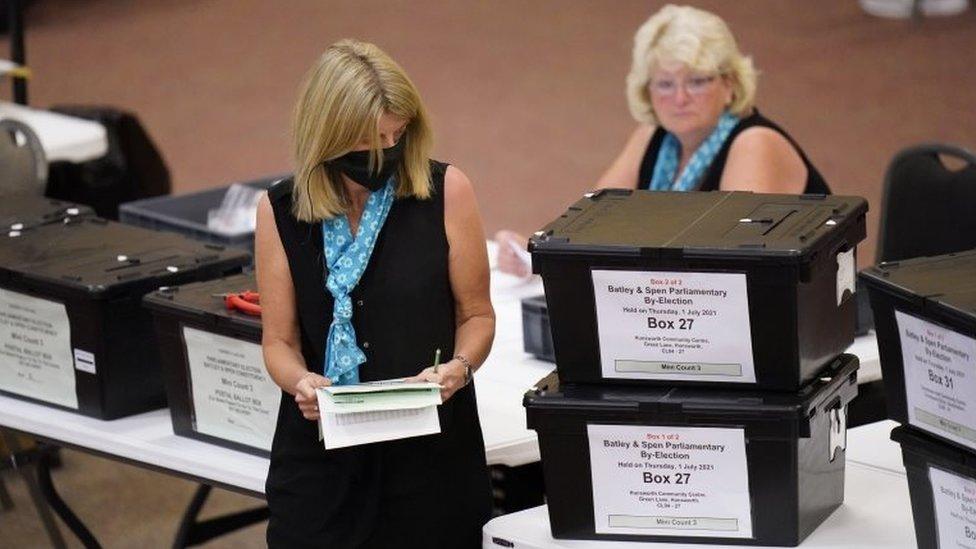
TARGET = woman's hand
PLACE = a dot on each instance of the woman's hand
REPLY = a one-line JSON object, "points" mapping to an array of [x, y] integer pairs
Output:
{"points": [[509, 260], [450, 376], [305, 396]]}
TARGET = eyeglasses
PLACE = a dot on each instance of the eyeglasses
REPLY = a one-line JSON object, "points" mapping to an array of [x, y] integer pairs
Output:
{"points": [[694, 85]]}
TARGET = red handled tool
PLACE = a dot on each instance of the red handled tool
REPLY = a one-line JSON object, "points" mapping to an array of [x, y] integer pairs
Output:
{"points": [[247, 302]]}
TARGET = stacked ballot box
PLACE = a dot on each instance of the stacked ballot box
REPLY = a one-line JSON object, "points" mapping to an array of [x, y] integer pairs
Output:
{"points": [[213, 369], [925, 317], [700, 391], [22, 212], [73, 333]]}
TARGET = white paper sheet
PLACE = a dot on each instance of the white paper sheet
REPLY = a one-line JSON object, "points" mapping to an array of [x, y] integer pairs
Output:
{"points": [[35, 349], [234, 398], [341, 430], [374, 412], [670, 481], [954, 499], [940, 378], [674, 326]]}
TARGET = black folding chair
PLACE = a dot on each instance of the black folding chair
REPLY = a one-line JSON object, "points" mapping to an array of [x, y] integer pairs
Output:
{"points": [[928, 208]]}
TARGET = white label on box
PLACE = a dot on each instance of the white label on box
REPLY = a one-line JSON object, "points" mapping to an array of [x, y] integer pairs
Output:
{"points": [[940, 378], [846, 271], [234, 398], [674, 326], [670, 481], [84, 361], [35, 349], [955, 509]]}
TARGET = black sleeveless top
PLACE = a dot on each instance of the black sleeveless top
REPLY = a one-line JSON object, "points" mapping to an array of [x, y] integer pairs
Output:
{"points": [[713, 177], [430, 491]]}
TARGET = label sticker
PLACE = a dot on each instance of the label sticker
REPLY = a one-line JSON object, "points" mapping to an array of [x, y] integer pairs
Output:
{"points": [[670, 481], [84, 361], [955, 509], [940, 378], [846, 272], [234, 398], [674, 326], [35, 349]]}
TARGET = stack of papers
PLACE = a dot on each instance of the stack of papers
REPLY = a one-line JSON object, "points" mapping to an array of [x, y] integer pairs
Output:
{"points": [[377, 411]]}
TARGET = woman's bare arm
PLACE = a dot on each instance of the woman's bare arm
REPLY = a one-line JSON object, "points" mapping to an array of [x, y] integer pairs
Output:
{"points": [[280, 340], [623, 172], [468, 271]]}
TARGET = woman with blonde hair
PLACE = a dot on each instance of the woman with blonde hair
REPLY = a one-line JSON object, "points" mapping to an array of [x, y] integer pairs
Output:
{"points": [[368, 261], [692, 93]]}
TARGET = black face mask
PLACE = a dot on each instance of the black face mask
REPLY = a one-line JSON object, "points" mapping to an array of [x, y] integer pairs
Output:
{"points": [[356, 166]]}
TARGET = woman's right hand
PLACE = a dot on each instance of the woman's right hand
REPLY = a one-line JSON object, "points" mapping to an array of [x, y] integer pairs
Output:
{"points": [[305, 396], [509, 260]]}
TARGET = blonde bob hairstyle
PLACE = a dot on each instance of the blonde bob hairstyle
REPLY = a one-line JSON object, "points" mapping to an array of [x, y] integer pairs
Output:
{"points": [[697, 39], [340, 104]]}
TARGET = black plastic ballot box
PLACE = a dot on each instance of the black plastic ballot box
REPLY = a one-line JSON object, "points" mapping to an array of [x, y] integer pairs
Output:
{"points": [[73, 333], [692, 464], [942, 487], [700, 288], [925, 319], [22, 212], [216, 384]]}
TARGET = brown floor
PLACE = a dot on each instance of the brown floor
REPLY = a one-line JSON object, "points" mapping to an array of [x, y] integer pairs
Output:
{"points": [[526, 96]]}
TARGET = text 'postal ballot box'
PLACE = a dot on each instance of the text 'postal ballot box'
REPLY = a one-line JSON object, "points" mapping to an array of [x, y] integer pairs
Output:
{"points": [[692, 465], [925, 318], [700, 287], [22, 212], [73, 333], [942, 487], [216, 383]]}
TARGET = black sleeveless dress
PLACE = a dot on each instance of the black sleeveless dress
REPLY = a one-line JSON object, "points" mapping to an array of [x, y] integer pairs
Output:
{"points": [[713, 177], [431, 491]]}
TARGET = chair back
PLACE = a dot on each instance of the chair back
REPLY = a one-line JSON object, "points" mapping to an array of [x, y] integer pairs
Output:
{"points": [[928, 208]]}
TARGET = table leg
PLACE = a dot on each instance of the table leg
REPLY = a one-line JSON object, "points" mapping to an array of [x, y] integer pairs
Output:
{"points": [[54, 500], [193, 532], [29, 474], [5, 502]]}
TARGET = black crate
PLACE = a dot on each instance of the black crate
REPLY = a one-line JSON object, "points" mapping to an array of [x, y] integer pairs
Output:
{"points": [[536, 336], [781, 267], [937, 470], [186, 214], [793, 447], [71, 297], [240, 412], [935, 390], [22, 212], [516, 488]]}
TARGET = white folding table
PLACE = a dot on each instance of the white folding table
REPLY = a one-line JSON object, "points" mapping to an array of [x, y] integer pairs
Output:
{"points": [[147, 439]]}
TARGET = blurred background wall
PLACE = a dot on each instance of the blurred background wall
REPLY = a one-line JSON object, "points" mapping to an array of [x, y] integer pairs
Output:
{"points": [[526, 96]]}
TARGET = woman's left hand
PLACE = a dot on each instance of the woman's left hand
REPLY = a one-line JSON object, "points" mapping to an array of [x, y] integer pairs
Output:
{"points": [[450, 376]]}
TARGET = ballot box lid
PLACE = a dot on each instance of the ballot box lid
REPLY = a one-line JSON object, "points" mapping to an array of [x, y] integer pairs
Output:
{"points": [[21, 211], [202, 303], [102, 259], [943, 284], [776, 228], [836, 386]]}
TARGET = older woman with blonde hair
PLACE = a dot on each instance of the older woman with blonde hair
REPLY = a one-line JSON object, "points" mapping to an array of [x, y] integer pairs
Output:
{"points": [[692, 93], [368, 261]]}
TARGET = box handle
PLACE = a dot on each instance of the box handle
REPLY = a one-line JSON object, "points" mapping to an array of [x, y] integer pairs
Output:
{"points": [[838, 429]]}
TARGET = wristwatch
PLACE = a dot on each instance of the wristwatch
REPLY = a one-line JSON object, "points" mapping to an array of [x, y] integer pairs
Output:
{"points": [[467, 367]]}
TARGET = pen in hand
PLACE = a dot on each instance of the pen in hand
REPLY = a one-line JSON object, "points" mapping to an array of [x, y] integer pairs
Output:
{"points": [[437, 359]]}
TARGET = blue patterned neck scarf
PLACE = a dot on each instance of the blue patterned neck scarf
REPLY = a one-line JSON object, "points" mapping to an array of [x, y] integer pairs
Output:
{"points": [[666, 167], [346, 259]]}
